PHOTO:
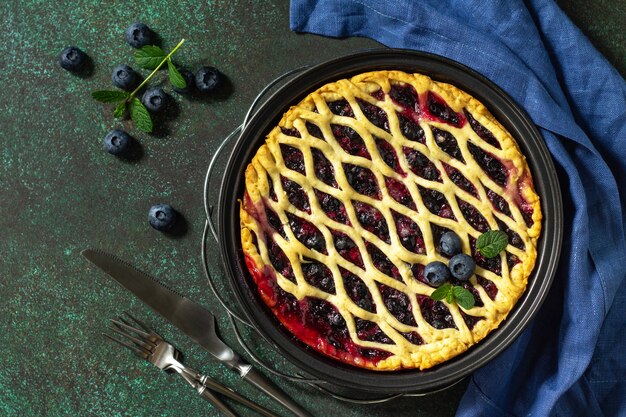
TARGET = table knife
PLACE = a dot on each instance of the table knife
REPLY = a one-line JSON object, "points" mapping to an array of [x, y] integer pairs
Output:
{"points": [[194, 320]]}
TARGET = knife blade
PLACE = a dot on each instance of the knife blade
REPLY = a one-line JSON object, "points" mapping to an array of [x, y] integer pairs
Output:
{"points": [[191, 318]]}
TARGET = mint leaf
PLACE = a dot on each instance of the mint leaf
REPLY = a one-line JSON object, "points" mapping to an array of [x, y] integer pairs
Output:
{"points": [[491, 243], [140, 116], [176, 78], [442, 292], [109, 96], [149, 57], [120, 110], [463, 297]]}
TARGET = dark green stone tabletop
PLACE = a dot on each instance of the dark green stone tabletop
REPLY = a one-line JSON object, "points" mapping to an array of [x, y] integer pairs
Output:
{"points": [[61, 193]]}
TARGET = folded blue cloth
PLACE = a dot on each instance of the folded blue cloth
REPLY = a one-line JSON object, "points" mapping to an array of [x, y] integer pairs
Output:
{"points": [[571, 360]]}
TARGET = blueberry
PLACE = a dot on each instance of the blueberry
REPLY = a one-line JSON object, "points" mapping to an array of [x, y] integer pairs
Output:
{"points": [[154, 99], [208, 79], [124, 77], [436, 273], [162, 217], [72, 59], [138, 35], [189, 79], [117, 142], [462, 266], [450, 244]]}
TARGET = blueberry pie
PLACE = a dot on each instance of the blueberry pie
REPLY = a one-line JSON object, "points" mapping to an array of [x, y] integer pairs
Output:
{"points": [[348, 200]]}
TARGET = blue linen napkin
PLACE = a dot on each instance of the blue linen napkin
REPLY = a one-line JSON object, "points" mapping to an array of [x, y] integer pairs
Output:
{"points": [[571, 359]]}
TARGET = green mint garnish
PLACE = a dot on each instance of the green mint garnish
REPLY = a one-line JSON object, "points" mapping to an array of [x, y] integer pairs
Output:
{"points": [[451, 293], [140, 115], [149, 57], [491, 243], [176, 78]]}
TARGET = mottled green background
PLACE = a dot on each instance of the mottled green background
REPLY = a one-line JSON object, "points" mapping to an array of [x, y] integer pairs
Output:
{"points": [[60, 193]]}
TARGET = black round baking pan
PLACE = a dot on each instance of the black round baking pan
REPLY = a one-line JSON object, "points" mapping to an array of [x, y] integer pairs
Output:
{"points": [[514, 119]]}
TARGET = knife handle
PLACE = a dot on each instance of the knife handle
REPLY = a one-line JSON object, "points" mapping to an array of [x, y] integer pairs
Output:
{"points": [[256, 378]]}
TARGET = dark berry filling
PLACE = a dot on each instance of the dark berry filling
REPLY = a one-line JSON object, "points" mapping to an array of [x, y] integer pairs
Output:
{"points": [[421, 165], [440, 109], [470, 321], [409, 233], [357, 290], [274, 221], [398, 191], [314, 130], [279, 260], [381, 262], [459, 180], [482, 132], [378, 95], [498, 202], [290, 132], [511, 260], [309, 235], [411, 130], [323, 168], [287, 304], [372, 220], [270, 183], [388, 154], [447, 142], [491, 264], [350, 141], [413, 337], [438, 231], [374, 354], [436, 202], [295, 194], [398, 304], [527, 214], [405, 95], [318, 275], [333, 208], [488, 285], [293, 158], [325, 318], [371, 332], [347, 248], [374, 114], [473, 216], [435, 313], [514, 239], [362, 180], [341, 108], [418, 273], [489, 163]]}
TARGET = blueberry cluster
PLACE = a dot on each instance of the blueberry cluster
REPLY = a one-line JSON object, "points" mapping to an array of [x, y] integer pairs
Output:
{"points": [[460, 265]]}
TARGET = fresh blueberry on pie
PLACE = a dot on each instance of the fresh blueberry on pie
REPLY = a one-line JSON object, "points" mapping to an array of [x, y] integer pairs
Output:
{"points": [[367, 196]]}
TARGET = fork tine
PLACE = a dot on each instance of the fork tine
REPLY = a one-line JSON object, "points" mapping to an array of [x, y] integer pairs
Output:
{"points": [[124, 326], [140, 323], [145, 344], [135, 349]]}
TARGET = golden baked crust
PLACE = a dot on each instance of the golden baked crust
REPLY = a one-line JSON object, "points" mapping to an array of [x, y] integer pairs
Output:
{"points": [[265, 189]]}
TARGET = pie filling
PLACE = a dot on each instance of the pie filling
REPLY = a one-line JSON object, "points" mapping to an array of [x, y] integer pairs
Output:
{"points": [[346, 203]]}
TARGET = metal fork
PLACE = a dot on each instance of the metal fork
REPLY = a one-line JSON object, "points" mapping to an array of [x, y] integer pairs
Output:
{"points": [[152, 347]]}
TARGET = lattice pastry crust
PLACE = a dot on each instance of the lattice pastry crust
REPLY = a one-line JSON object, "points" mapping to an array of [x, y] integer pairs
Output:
{"points": [[344, 205]]}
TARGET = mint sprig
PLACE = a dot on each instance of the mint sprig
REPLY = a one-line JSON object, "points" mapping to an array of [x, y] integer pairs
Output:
{"points": [[149, 57], [452, 293], [491, 243]]}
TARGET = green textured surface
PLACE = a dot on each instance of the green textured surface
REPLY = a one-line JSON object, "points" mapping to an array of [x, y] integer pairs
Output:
{"points": [[61, 193]]}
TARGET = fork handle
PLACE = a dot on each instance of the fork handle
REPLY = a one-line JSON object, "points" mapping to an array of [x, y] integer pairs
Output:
{"points": [[213, 399], [256, 378]]}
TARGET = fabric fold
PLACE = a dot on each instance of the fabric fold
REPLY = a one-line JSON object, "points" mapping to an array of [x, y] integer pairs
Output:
{"points": [[578, 100]]}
